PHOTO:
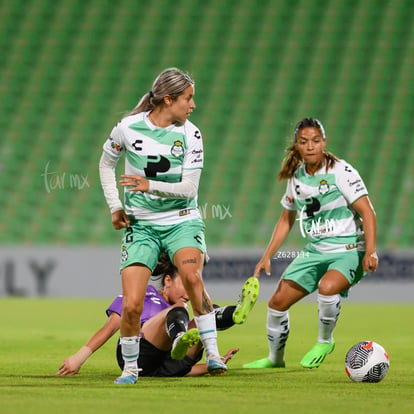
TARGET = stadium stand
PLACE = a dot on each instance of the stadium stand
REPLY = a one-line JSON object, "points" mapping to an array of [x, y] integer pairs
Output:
{"points": [[70, 70]]}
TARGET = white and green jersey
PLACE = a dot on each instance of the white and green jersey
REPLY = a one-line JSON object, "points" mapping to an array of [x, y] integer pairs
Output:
{"points": [[159, 154], [323, 202]]}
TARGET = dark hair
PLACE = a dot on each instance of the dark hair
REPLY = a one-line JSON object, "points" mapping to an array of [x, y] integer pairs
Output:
{"points": [[293, 160], [171, 81], [165, 267], [309, 123]]}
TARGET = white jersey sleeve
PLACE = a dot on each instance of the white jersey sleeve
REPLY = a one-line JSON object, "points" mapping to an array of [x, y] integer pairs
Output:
{"points": [[107, 166], [350, 182], [288, 198], [194, 154], [114, 145], [186, 188]]}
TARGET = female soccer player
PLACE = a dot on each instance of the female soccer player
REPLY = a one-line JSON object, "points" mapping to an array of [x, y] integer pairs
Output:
{"points": [[169, 345], [163, 162], [336, 215]]}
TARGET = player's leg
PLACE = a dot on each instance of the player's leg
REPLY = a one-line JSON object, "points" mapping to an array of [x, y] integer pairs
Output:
{"points": [[139, 255], [287, 293], [189, 262], [168, 330], [329, 306], [134, 282], [185, 244]]}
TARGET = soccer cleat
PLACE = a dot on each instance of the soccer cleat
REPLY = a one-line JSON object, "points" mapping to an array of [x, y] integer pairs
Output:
{"points": [[126, 379], [216, 366], [317, 354], [250, 292], [264, 363], [183, 342]]}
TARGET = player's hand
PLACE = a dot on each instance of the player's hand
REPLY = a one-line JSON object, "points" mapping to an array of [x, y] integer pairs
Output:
{"points": [[120, 220], [264, 264], [134, 182], [229, 354], [370, 262], [68, 368]]}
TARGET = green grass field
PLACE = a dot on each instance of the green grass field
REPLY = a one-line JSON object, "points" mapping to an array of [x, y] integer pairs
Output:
{"points": [[38, 333]]}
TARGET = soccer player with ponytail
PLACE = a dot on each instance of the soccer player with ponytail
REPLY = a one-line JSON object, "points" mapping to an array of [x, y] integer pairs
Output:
{"points": [[163, 163], [329, 200]]}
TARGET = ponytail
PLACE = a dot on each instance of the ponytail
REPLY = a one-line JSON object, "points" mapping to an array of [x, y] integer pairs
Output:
{"points": [[290, 163], [171, 81]]}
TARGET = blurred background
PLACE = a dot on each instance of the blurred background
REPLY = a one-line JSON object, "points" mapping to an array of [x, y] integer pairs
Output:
{"points": [[69, 70]]}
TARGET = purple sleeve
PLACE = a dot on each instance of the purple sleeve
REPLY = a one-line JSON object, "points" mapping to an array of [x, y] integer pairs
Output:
{"points": [[115, 306], [153, 304]]}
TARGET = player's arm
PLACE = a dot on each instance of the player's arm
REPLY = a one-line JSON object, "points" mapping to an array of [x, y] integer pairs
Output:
{"points": [[72, 364], [280, 232], [365, 209], [107, 165], [186, 188]]}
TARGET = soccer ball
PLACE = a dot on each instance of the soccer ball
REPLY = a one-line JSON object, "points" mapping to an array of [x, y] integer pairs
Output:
{"points": [[367, 361]]}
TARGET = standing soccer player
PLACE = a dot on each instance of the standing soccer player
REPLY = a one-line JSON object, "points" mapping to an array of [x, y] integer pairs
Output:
{"points": [[337, 217], [163, 163]]}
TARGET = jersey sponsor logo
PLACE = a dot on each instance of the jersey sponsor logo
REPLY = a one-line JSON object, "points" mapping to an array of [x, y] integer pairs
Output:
{"points": [[156, 300], [184, 212], [198, 156], [124, 254], [177, 149], [312, 206], [137, 145], [116, 147], [156, 164], [289, 199], [356, 182], [198, 239]]}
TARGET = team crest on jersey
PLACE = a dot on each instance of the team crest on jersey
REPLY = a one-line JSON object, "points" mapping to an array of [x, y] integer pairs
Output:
{"points": [[323, 187], [177, 149]]}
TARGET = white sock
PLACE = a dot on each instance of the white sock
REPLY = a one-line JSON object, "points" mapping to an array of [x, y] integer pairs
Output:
{"points": [[277, 334], [329, 309], [130, 353], [206, 325]]}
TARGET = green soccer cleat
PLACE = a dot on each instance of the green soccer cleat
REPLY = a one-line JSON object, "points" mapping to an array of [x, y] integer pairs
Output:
{"points": [[317, 354], [250, 293], [264, 363], [183, 342]]}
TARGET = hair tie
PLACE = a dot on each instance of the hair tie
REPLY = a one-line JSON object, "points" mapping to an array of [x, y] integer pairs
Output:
{"points": [[151, 94]]}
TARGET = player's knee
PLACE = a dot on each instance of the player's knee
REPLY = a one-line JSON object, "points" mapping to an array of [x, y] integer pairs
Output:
{"points": [[278, 303], [132, 307], [328, 288], [178, 312], [193, 279]]}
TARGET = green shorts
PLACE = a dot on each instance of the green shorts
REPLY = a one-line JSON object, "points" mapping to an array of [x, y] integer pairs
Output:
{"points": [[310, 265], [143, 242]]}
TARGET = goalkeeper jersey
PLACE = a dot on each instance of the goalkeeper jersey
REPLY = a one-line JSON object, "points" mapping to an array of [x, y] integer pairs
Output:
{"points": [[159, 154], [323, 202]]}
